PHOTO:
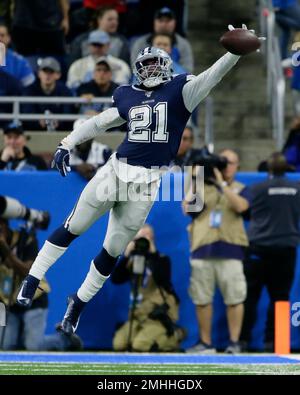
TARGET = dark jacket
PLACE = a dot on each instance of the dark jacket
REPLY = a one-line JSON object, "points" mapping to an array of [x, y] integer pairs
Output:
{"points": [[60, 90], [275, 213], [159, 265], [91, 88], [188, 159], [28, 163]]}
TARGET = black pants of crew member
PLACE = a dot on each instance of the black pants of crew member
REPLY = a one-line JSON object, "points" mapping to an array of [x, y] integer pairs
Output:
{"points": [[274, 268]]}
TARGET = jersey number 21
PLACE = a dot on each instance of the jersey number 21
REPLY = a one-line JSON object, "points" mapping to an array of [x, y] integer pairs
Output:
{"points": [[140, 118]]}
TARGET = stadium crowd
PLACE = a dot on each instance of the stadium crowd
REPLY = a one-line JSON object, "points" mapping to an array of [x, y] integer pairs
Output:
{"points": [[81, 50]]}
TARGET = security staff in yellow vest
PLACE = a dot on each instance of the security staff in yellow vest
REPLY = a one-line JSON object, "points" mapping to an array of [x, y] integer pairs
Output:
{"points": [[218, 239]]}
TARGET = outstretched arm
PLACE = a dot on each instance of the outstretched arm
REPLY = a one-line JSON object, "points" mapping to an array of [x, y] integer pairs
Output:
{"points": [[89, 129], [195, 90], [108, 119]]}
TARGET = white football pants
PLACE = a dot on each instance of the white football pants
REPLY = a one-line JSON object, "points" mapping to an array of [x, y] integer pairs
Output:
{"points": [[129, 204]]}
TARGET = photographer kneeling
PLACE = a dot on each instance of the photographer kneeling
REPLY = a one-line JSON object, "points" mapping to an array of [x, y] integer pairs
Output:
{"points": [[25, 327], [151, 325], [18, 250], [218, 238]]}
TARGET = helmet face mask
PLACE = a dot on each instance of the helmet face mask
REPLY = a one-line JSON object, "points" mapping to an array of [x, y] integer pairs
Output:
{"points": [[152, 67]]}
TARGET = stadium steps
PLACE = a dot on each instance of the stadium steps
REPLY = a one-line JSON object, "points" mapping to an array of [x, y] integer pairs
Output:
{"points": [[241, 115]]}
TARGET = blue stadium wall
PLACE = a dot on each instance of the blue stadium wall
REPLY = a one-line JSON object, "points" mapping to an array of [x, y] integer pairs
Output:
{"points": [[49, 191]]}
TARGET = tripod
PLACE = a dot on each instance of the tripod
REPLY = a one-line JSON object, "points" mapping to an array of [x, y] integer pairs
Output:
{"points": [[135, 288]]}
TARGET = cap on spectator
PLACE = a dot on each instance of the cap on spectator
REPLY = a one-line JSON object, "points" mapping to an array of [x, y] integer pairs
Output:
{"points": [[165, 12], [49, 63], [98, 37], [103, 60], [14, 127]]}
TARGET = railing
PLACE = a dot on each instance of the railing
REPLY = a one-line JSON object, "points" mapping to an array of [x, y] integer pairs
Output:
{"points": [[275, 77], [209, 125], [17, 115]]}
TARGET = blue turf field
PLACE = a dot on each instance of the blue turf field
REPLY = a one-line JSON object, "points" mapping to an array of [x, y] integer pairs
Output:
{"points": [[133, 358]]}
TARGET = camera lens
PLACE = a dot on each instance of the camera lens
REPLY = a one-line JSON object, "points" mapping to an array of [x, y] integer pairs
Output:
{"points": [[142, 245]]}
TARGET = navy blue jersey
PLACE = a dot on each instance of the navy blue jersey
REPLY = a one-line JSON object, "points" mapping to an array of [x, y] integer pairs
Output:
{"points": [[155, 122]]}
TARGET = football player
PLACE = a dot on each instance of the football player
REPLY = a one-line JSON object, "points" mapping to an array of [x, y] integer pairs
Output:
{"points": [[155, 112]]}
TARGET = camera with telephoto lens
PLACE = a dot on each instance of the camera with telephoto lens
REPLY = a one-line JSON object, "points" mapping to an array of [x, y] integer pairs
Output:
{"points": [[139, 254], [210, 161]]}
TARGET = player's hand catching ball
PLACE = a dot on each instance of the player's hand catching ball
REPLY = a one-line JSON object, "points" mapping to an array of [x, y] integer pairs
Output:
{"points": [[241, 41], [61, 160]]}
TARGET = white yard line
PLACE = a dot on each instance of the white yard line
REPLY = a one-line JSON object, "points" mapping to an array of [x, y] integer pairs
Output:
{"points": [[180, 371], [244, 369]]}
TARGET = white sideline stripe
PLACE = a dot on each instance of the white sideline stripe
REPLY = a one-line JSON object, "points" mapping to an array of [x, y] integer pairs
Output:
{"points": [[131, 354], [158, 369], [66, 364], [57, 363], [246, 372], [180, 355], [297, 357]]}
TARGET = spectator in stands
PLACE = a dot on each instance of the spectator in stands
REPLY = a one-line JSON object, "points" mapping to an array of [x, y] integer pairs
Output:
{"points": [[186, 153], [15, 155], [165, 22], [82, 18], [218, 239], [107, 21], [155, 306], [25, 327], [100, 86], [291, 149], [15, 64], [274, 236], [145, 10], [48, 85], [9, 86], [87, 157], [165, 41], [39, 27], [288, 18], [82, 69]]}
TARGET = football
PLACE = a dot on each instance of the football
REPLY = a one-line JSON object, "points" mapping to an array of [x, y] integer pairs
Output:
{"points": [[240, 41]]}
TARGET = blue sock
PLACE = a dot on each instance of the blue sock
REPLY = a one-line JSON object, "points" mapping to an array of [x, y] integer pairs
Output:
{"points": [[78, 303], [61, 237], [31, 285], [105, 263]]}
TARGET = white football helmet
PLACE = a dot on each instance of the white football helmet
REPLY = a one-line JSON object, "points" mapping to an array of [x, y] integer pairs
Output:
{"points": [[152, 67]]}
